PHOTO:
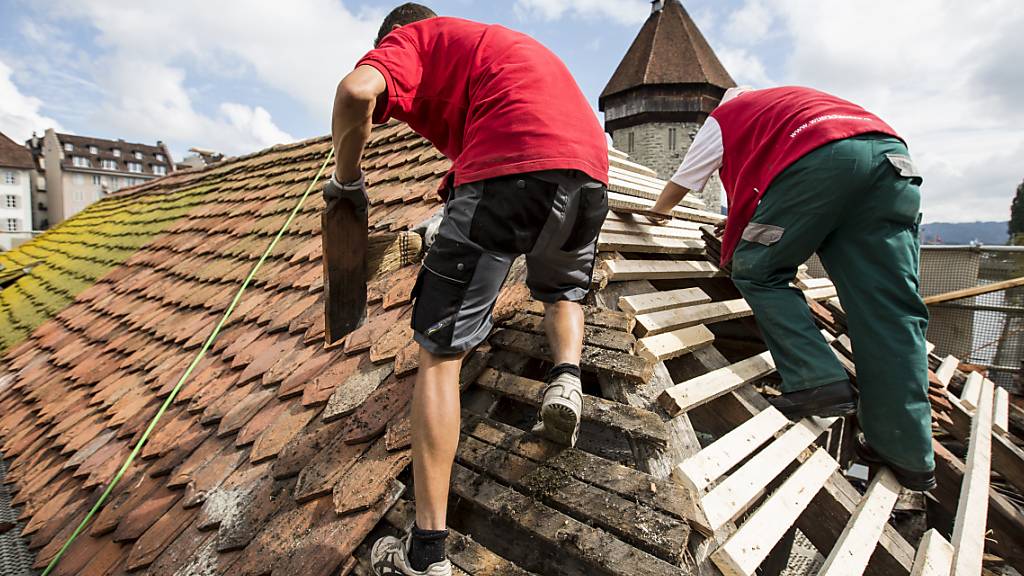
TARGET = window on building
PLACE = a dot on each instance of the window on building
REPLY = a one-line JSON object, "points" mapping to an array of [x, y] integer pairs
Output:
{"points": [[78, 179], [135, 167], [159, 170], [81, 162], [10, 177], [117, 152], [137, 154], [96, 180], [10, 201], [13, 225], [629, 143], [159, 157], [68, 147], [671, 138], [93, 150], [108, 164]]}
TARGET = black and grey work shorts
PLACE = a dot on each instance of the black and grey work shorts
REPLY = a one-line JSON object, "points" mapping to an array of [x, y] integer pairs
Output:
{"points": [[553, 217]]}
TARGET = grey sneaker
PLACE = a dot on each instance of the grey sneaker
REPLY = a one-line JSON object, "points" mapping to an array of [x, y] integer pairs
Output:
{"points": [[389, 557], [560, 413]]}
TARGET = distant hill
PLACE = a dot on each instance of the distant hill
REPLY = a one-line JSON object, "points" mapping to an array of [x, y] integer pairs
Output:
{"points": [[991, 233]]}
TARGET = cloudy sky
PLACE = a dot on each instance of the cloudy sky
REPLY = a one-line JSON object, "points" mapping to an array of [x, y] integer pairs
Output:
{"points": [[241, 75]]}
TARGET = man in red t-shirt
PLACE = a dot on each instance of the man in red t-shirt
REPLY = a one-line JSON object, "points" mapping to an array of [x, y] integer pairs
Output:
{"points": [[529, 175]]}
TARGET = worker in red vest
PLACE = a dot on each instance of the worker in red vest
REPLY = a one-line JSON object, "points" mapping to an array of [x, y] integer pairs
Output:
{"points": [[806, 172], [529, 175]]}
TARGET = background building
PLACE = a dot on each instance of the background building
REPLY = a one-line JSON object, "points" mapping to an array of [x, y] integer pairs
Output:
{"points": [[666, 85], [15, 193], [78, 170]]}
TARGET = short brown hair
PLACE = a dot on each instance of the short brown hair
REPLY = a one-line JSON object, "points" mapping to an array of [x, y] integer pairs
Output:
{"points": [[405, 14]]}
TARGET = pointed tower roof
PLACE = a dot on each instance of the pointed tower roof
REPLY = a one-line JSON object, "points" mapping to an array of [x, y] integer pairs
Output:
{"points": [[670, 49]]}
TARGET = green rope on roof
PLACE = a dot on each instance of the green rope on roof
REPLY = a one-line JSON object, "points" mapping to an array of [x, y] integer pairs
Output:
{"points": [[188, 372]]}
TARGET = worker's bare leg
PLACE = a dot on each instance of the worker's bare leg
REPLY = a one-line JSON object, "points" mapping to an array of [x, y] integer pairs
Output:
{"points": [[563, 323], [435, 435]]}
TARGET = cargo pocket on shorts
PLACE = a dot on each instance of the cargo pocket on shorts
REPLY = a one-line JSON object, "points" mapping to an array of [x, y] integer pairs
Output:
{"points": [[593, 208], [763, 234], [511, 213], [440, 289]]}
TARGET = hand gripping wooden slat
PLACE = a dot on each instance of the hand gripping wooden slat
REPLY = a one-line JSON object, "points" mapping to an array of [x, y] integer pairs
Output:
{"points": [[751, 544], [851, 553]]}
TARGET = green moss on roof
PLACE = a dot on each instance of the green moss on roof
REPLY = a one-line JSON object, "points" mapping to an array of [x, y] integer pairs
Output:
{"points": [[73, 255]]}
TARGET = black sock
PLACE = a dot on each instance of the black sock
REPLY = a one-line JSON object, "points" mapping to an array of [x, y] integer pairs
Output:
{"points": [[560, 369], [426, 548]]}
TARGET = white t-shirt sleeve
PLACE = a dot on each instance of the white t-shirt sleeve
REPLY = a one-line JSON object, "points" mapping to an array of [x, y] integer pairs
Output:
{"points": [[703, 158]]}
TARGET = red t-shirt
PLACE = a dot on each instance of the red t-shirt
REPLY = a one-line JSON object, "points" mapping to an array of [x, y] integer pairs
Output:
{"points": [[494, 101]]}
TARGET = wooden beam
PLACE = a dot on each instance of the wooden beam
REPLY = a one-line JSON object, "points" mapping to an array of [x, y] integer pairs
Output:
{"points": [[634, 227], [624, 203], [595, 548], [740, 489], [700, 471], [674, 344], [675, 318], [655, 301], [851, 553], [969, 529], [636, 243], [1001, 414], [1005, 519], [593, 335], [703, 389], [751, 544], [1007, 457], [622, 270], [813, 283], [633, 368], [947, 369], [976, 291], [934, 556], [641, 220], [819, 294], [625, 419], [972, 390], [625, 519]]}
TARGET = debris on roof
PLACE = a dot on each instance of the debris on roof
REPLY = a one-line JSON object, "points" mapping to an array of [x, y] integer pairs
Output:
{"points": [[281, 456]]}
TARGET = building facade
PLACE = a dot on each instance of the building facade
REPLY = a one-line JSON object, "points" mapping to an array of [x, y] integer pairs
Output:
{"points": [[667, 84], [75, 171], [15, 193]]}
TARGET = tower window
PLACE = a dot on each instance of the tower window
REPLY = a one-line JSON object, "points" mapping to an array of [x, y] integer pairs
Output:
{"points": [[671, 138], [629, 143]]}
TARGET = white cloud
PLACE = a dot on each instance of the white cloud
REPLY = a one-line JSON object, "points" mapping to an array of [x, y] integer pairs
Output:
{"points": [[154, 60], [622, 11], [943, 73], [19, 114], [750, 24]]}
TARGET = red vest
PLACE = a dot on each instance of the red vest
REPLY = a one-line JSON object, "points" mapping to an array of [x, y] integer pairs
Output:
{"points": [[765, 131]]}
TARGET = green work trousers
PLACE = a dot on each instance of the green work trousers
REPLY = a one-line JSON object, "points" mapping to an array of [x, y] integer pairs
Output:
{"points": [[856, 202]]}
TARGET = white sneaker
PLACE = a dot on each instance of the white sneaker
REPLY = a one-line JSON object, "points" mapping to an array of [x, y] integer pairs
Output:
{"points": [[560, 413], [390, 557]]}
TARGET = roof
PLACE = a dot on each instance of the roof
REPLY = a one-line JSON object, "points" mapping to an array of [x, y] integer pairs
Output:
{"points": [[281, 456], [105, 151], [669, 49], [13, 155]]}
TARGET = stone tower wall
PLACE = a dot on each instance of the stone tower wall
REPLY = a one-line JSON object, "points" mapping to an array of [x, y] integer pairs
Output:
{"points": [[651, 147]]}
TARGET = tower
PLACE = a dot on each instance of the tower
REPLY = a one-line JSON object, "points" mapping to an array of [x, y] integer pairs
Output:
{"points": [[663, 90]]}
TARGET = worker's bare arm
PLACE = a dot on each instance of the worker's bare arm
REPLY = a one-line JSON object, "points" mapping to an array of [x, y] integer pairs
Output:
{"points": [[670, 197], [354, 102]]}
